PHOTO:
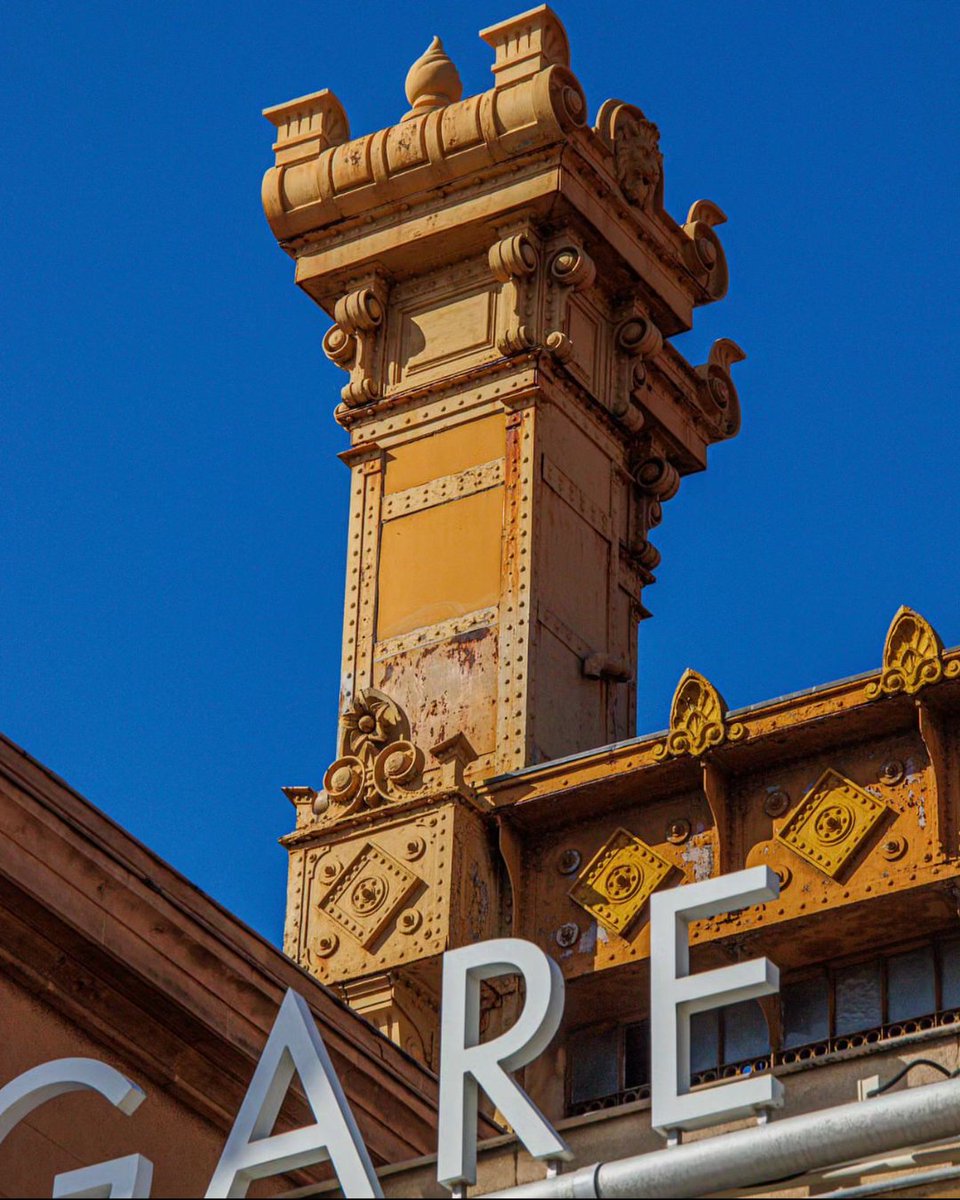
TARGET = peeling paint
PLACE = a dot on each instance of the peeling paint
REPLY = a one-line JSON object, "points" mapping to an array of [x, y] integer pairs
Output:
{"points": [[699, 855]]}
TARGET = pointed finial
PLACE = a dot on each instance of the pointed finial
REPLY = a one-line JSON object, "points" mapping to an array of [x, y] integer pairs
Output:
{"points": [[432, 81]]}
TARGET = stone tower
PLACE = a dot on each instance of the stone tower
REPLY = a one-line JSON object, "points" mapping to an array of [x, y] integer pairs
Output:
{"points": [[503, 281]]}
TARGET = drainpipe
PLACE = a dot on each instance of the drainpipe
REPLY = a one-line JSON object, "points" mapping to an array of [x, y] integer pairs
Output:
{"points": [[768, 1153]]}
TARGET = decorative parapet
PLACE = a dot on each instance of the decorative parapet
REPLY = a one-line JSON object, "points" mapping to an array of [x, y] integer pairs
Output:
{"points": [[434, 145], [322, 177], [698, 719], [912, 657]]}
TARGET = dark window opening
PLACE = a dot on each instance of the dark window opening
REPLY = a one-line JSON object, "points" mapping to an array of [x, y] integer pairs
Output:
{"points": [[830, 1008]]}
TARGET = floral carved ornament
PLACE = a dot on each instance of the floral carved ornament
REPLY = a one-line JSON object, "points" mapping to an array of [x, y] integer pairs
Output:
{"points": [[375, 756]]}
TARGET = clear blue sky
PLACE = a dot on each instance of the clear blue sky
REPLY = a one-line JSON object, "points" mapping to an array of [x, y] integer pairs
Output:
{"points": [[173, 515]]}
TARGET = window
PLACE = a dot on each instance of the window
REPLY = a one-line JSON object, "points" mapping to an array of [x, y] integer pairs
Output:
{"points": [[849, 1004], [612, 1066], [833, 1007]]}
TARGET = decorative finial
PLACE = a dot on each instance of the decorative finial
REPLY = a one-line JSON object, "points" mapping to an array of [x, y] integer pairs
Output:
{"points": [[698, 719], [432, 81], [912, 657]]}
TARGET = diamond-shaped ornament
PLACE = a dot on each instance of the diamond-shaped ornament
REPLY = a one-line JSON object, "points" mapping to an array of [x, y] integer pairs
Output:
{"points": [[831, 821], [369, 893], [619, 880]]}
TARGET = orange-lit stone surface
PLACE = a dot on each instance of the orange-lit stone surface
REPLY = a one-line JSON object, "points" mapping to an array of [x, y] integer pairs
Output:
{"points": [[504, 283]]}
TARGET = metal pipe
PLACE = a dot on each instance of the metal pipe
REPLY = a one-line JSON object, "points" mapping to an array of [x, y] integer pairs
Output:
{"points": [[895, 1183], [767, 1153]]}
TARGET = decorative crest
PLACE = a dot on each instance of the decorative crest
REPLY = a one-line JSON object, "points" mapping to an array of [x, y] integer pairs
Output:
{"points": [[433, 81], [912, 657], [376, 756], [697, 719], [635, 144]]}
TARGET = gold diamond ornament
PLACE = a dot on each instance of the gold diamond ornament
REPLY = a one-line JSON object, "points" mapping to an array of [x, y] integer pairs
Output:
{"points": [[619, 880], [831, 821], [369, 893]]}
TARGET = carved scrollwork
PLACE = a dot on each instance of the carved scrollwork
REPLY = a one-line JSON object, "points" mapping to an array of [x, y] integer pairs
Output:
{"points": [[513, 257], [573, 267], [339, 346], [912, 657], [377, 763], [698, 719], [703, 251], [657, 480], [569, 269], [352, 343], [637, 339], [635, 144], [513, 260], [717, 391], [565, 97], [656, 476]]}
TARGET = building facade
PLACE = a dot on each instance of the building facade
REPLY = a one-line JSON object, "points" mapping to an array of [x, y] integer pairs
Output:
{"points": [[504, 282]]}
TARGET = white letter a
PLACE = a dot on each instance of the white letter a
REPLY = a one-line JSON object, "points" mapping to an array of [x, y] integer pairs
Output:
{"points": [[294, 1045]]}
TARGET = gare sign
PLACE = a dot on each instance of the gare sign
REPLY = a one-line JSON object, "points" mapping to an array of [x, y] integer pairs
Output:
{"points": [[467, 1065]]}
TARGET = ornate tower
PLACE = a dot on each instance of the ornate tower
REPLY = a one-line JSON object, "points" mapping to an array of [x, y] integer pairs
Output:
{"points": [[503, 281]]}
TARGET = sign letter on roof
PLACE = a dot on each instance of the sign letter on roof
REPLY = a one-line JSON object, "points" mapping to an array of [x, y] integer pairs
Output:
{"points": [[675, 995], [466, 1065], [294, 1046]]}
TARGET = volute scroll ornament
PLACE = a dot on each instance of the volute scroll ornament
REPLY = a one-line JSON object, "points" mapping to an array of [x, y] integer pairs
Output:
{"points": [[635, 144], [703, 252], [514, 260], [569, 269], [912, 657], [352, 343], [698, 719], [376, 759], [657, 480], [637, 340], [717, 389]]}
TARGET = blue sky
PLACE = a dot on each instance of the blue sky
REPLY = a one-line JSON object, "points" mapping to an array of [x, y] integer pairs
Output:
{"points": [[173, 516]]}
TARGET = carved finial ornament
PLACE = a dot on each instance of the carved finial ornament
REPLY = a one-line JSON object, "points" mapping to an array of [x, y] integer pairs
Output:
{"points": [[912, 657], [703, 252], [698, 719], [432, 82], [526, 44], [719, 393]]}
